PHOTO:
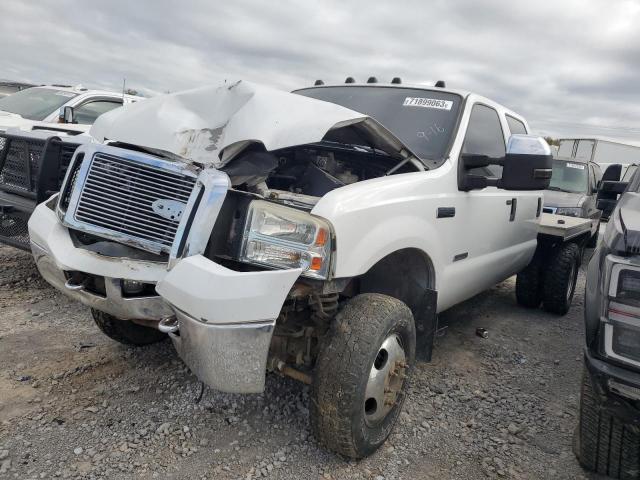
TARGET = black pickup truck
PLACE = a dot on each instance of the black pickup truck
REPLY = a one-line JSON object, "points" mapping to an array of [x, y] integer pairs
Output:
{"points": [[32, 167], [608, 434]]}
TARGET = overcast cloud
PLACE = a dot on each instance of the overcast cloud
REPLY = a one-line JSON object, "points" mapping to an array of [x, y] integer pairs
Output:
{"points": [[569, 66]]}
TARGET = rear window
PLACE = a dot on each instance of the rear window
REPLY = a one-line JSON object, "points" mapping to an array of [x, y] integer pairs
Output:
{"points": [[36, 103]]}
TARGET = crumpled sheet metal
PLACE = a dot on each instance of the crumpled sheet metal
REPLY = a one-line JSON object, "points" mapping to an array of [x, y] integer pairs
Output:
{"points": [[209, 125]]}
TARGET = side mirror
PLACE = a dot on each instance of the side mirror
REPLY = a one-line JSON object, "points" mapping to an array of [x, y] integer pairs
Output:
{"points": [[608, 192], [66, 115], [612, 173], [606, 205], [526, 166]]}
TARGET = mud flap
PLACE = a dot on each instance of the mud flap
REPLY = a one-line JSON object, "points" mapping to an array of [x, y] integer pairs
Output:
{"points": [[426, 325]]}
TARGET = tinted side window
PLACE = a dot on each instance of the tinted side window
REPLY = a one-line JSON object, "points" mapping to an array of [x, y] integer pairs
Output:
{"points": [[631, 170], [593, 180], [484, 137], [87, 113], [515, 125]]}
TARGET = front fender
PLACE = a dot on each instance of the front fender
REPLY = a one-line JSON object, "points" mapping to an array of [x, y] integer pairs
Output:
{"points": [[593, 295], [360, 248], [377, 217]]}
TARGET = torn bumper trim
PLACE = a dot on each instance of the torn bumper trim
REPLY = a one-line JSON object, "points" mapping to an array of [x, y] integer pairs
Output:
{"points": [[54, 253], [226, 320]]}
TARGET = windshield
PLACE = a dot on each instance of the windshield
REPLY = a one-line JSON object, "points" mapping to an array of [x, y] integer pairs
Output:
{"points": [[35, 103], [423, 120], [569, 177]]}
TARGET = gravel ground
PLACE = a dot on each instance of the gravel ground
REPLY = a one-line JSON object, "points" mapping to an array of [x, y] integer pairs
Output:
{"points": [[74, 404]]}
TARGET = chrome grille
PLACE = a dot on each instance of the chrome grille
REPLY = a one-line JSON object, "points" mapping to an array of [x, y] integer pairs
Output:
{"points": [[118, 195]]}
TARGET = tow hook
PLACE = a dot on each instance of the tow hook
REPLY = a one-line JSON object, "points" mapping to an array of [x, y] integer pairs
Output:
{"points": [[70, 285], [168, 325]]}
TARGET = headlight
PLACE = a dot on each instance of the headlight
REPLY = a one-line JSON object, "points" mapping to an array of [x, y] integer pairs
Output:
{"points": [[628, 287], [282, 237], [569, 211], [622, 313]]}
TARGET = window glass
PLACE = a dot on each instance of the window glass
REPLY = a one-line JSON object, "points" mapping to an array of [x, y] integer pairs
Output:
{"points": [[598, 172], [592, 180], [484, 137], [424, 120], [584, 150], [36, 103], [631, 169], [515, 125], [569, 176], [566, 148], [86, 114]]}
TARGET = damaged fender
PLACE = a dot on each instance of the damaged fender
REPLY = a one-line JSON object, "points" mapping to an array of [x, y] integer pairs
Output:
{"points": [[226, 319]]}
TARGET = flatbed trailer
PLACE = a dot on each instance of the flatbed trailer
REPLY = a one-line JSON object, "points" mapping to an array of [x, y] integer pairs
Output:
{"points": [[550, 278]]}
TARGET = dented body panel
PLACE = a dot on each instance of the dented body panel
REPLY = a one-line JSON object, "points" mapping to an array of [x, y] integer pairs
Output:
{"points": [[56, 256], [210, 125]]}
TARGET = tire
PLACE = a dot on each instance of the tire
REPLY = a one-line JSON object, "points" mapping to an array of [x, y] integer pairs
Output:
{"points": [[125, 331], [529, 284], [604, 443], [363, 337], [560, 277], [593, 241]]}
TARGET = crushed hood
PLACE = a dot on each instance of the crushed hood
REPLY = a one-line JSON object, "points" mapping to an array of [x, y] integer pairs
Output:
{"points": [[210, 125]]}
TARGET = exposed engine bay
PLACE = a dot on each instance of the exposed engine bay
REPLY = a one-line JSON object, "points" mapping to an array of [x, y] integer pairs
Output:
{"points": [[299, 176]]}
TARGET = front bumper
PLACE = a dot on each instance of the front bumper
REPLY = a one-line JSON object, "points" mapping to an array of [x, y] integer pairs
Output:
{"points": [[55, 254], [226, 319], [618, 388]]}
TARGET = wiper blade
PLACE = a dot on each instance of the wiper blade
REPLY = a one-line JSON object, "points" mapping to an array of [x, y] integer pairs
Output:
{"points": [[353, 146]]}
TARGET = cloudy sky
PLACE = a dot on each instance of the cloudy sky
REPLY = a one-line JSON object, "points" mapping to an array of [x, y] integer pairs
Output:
{"points": [[570, 66]]}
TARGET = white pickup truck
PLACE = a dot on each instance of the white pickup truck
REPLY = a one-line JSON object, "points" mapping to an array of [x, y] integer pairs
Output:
{"points": [[58, 107], [314, 233]]}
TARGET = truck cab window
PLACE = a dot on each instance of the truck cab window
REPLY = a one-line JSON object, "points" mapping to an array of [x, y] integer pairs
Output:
{"points": [[485, 137], [585, 150], [516, 126], [87, 113], [566, 148]]}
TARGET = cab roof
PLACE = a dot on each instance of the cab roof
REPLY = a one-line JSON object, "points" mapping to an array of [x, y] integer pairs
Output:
{"points": [[465, 94], [81, 90], [603, 139]]}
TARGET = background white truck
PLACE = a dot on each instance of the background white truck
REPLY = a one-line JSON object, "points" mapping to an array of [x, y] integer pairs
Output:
{"points": [[58, 107], [603, 151], [314, 233]]}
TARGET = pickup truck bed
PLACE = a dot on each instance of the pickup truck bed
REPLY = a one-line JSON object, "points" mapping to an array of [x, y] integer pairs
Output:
{"points": [[562, 227]]}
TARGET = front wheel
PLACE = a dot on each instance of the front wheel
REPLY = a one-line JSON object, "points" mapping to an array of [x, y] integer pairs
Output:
{"points": [[125, 331], [560, 276], [362, 374], [604, 443]]}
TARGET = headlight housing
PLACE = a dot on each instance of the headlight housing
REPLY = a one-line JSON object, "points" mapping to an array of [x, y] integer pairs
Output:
{"points": [[276, 236], [569, 211], [621, 340]]}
